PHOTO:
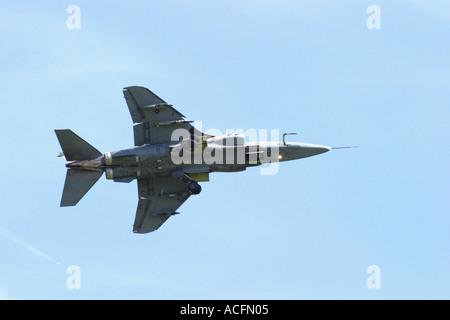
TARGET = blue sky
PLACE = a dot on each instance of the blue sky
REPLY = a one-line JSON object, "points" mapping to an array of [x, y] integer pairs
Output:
{"points": [[308, 232]]}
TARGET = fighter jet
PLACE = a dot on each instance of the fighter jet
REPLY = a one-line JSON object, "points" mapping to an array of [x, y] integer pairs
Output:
{"points": [[169, 158]]}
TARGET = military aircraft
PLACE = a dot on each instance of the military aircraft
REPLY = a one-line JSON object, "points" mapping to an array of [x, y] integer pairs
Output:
{"points": [[169, 159]]}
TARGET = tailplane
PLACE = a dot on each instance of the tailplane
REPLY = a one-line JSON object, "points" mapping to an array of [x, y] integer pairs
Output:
{"points": [[75, 148], [78, 181]]}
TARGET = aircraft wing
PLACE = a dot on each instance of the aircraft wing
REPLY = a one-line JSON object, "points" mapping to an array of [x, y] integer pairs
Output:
{"points": [[155, 119], [159, 198]]}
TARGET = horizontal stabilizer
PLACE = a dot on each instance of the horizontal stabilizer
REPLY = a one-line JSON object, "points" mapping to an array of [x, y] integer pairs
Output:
{"points": [[78, 183], [75, 148]]}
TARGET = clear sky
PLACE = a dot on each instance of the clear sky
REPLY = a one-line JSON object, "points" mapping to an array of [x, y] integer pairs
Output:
{"points": [[309, 232]]}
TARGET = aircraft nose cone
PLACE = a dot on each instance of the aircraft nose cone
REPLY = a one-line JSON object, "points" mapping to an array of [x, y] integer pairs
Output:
{"points": [[303, 150], [322, 149], [309, 150]]}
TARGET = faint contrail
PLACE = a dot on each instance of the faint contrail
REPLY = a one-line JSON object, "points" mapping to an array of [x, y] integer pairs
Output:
{"points": [[11, 236]]}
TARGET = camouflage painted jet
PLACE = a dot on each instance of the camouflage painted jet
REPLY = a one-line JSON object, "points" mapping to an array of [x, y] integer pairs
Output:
{"points": [[170, 157]]}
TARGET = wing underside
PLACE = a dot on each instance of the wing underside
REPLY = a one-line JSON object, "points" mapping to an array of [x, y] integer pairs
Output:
{"points": [[159, 198], [154, 119]]}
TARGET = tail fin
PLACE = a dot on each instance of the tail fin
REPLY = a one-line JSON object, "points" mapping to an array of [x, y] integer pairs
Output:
{"points": [[78, 183], [75, 148]]}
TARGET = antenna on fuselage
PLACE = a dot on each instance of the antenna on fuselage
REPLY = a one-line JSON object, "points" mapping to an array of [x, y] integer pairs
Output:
{"points": [[285, 134]]}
